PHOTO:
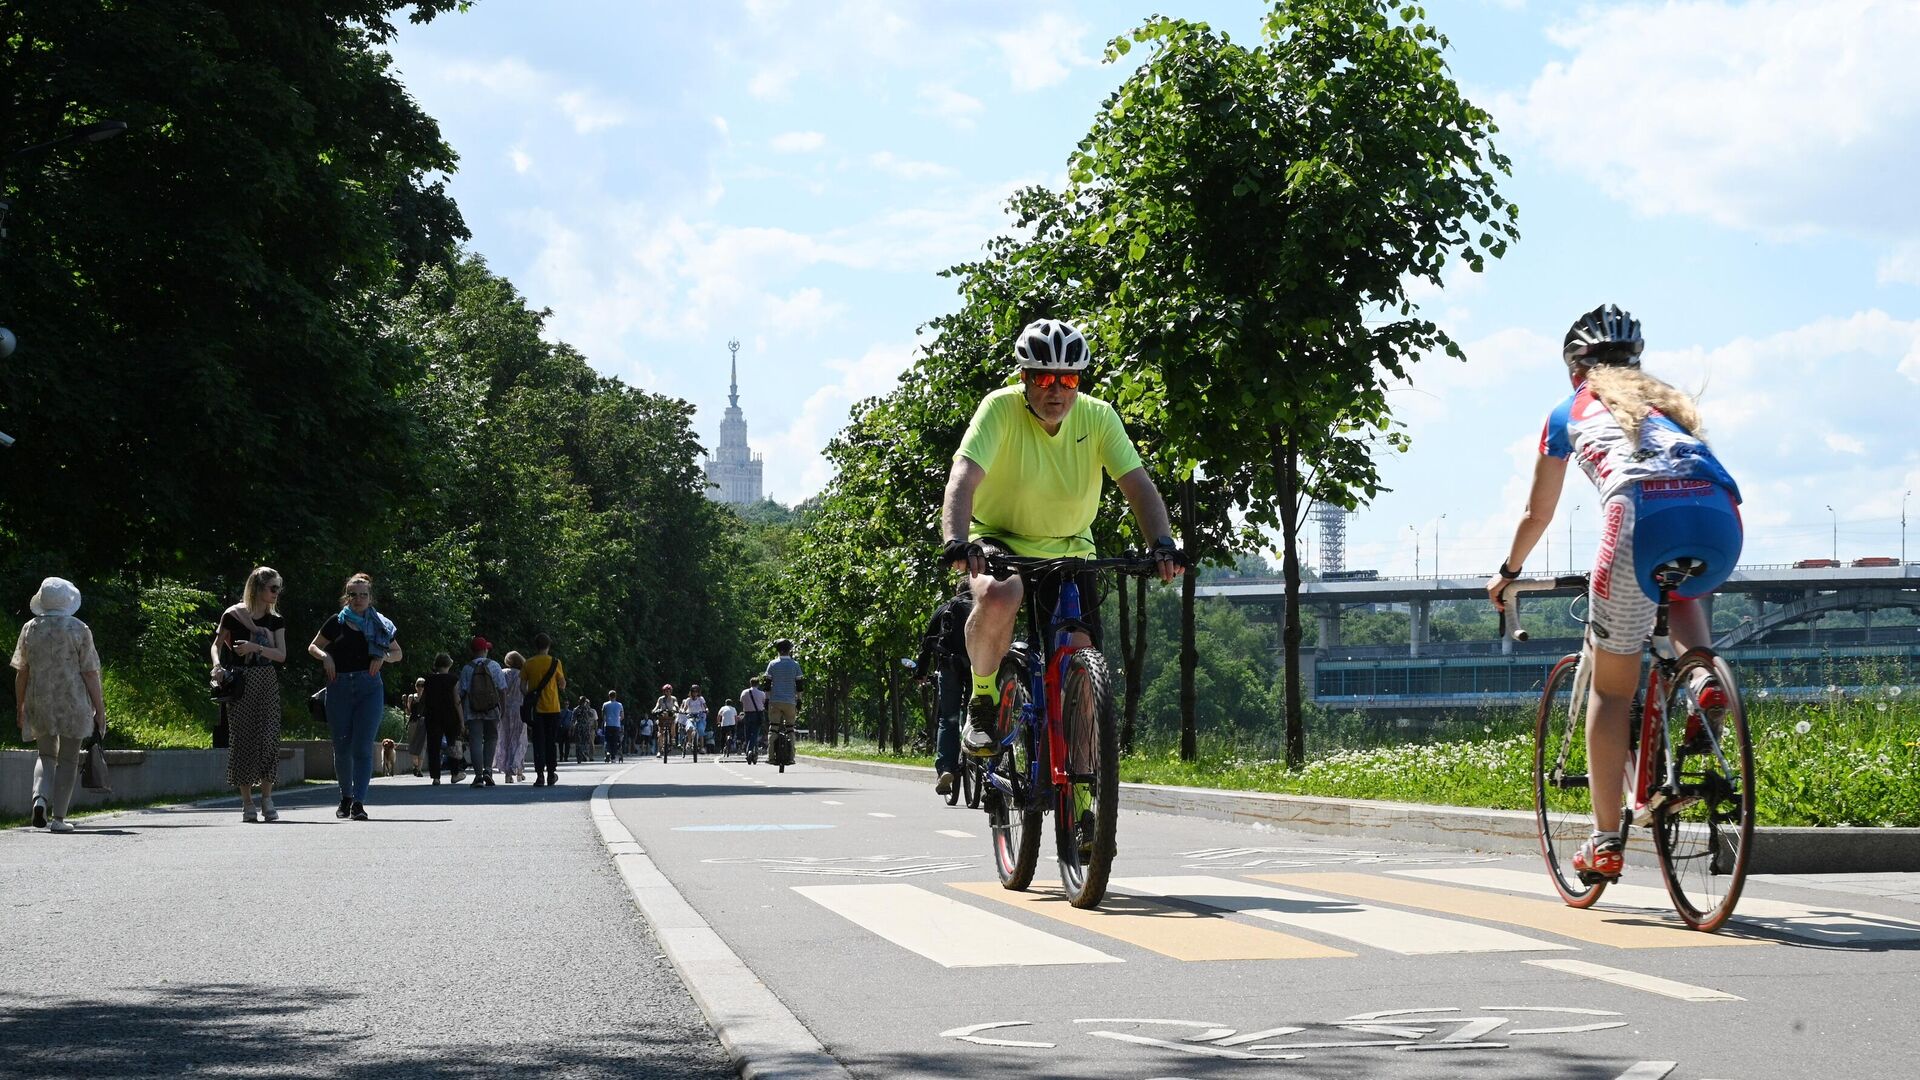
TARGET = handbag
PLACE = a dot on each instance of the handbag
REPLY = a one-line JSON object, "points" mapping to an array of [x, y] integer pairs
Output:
{"points": [[225, 683], [93, 766]]}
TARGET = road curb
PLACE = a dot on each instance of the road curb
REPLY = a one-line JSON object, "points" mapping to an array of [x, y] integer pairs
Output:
{"points": [[1776, 850], [759, 1033]]}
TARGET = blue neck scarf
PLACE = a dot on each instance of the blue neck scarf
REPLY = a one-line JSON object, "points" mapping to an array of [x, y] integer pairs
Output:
{"points": [[377, 628]]}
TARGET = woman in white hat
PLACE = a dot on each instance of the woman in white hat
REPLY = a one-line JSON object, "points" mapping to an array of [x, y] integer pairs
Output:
{"points": [[56, 694]]}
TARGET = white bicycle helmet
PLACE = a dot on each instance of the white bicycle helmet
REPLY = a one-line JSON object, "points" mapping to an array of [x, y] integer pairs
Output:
{"points": [[1051, 345]]}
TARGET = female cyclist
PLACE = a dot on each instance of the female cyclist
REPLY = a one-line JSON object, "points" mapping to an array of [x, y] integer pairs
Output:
{"points": [[1663, 496]]}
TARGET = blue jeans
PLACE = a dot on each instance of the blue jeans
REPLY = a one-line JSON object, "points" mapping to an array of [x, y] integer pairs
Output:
{"points": [[483, 730], [355, 702], [950, 705], [749, 734]]}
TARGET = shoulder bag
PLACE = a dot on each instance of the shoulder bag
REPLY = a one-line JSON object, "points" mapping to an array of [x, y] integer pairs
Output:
{"points": [[532, 699]]}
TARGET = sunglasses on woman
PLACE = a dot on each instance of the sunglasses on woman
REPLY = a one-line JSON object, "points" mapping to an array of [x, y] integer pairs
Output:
{"points": [[1068, 379]]}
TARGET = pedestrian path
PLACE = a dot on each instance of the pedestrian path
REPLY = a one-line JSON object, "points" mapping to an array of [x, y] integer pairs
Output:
{"points": [[1326, 916], [461, 932]]}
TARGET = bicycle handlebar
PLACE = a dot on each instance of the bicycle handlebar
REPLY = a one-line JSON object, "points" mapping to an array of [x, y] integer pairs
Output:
{"points": [[1510, 598], [1141, 564]]}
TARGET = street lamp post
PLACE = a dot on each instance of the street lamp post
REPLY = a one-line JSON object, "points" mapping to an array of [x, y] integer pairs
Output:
{"points": [[1836, 533], [1436, 546], [1416, 550], [1903, 527]]}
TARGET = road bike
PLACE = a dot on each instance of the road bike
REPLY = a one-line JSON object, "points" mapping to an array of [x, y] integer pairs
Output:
{"points": [[1058, 745], [1689, 777]]}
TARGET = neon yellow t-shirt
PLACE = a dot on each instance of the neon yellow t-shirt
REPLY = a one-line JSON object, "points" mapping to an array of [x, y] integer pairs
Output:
{"points": [[1041, 491]]}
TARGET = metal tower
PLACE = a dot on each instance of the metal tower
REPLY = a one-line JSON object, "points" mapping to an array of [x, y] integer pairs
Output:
{"points": [[1333, 537]]}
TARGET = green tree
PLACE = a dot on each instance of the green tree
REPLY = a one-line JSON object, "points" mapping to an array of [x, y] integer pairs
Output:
{"points": [[1265, 208], [201, 303]]}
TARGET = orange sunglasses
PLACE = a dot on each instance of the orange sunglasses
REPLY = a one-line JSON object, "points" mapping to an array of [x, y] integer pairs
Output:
{"points": [[1068, 379]]}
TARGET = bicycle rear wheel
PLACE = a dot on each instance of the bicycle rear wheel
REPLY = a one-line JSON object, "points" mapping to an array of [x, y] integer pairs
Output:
{"points": [[1562, 797], [1087, 814], [1015, 827], [1705, 835], [970, 782]]}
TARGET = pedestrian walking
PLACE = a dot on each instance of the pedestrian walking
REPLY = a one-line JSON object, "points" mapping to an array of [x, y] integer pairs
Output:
{"points": [[612, 723], [753, 714], [586, 724], [353, 645], [645, 743], [414, 705], [56, 697], [729, 716], [251, 641], [444, 723], [483, 688], [547, 678], [510, 758]]}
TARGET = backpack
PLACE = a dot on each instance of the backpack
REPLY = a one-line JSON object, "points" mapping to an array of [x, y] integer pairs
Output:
{"points": [[482, 695]]}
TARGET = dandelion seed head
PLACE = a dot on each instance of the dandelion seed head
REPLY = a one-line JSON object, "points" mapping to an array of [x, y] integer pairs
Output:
{"points": [[1803, 727]]}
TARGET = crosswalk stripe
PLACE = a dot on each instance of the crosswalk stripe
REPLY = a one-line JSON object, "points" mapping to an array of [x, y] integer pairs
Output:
{"points": [[1634, 980], [956, 834], [1620, 930], [1827, 923], [946, 931], [1181, 933], [1395, 931]]}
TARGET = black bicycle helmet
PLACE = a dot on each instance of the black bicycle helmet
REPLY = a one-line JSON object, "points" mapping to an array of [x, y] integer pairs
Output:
{"points": [[1605, 335]]}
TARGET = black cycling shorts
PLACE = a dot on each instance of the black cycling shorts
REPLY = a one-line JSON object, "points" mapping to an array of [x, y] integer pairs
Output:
{"points": [[1049, 592]]}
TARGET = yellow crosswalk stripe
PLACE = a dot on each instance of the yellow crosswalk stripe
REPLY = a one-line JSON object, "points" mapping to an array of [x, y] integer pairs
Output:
{"points": [[1179, 932], [1317, 913], [1621, 930], [1827, 923]]}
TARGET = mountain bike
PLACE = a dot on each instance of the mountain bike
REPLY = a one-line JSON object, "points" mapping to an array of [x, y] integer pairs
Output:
{"points": [[1058, 748], [1689, 778]]}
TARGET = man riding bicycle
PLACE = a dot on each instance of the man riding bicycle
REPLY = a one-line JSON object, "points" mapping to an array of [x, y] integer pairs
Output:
{"points": [[1664, 496], [1026, 481]]}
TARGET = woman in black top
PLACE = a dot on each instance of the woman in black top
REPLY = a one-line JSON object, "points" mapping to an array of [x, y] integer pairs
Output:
{"points": [[353, 646], [253, 638], [442, 710]]}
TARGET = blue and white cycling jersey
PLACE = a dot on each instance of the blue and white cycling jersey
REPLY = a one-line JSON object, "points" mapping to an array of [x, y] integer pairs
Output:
{"points": [[1583, 429]]}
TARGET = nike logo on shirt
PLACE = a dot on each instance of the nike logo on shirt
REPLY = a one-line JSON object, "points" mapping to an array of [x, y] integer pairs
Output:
{"points": [[1082, 438]]}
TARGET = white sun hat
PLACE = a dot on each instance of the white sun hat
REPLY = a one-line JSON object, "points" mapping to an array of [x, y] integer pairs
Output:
{"points": [[57, 596]]}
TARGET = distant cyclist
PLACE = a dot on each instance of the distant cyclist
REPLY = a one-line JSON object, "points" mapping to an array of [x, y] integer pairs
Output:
{"points": [[1663, 496], [1026, 481]]}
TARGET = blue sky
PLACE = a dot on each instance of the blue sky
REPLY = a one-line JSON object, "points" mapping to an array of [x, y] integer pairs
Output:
{"points": [[665, 176]]}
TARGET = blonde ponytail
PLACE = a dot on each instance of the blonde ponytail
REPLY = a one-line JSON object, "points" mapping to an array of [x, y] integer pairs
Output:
{"points": [[1630, 394]]}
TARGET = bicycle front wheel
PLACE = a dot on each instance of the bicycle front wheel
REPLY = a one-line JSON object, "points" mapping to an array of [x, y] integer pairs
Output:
{"points": [[1562, 795], [1014, 825], [970, 783], [1088, 811], [1704, 836]]}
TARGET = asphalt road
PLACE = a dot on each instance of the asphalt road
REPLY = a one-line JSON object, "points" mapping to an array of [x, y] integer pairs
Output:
{"points": [[461, 933], [870, 909]]}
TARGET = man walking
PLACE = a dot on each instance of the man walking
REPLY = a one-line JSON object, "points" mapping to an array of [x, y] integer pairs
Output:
{"points": [[483, 686], [545, 677], [612, 714]]}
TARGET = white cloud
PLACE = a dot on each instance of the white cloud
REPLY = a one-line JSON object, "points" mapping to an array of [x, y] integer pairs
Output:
{"points": [[795, 467], [1043, 52], [960, 110], [521, 161], [521, 83], [1783, 116], [1901, 265], [1845, 444], [773, 83], [588, 113], [885, 161], [798, 142]]}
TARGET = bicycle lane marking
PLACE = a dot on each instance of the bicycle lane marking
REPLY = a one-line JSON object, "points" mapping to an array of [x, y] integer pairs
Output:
{"points": [[758, 1031], [946, 931], [1633, 980], [1826, 923], [1401, 932], [1180, 933], [1621, 930]]}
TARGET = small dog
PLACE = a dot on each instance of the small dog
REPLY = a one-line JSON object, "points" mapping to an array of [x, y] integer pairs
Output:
{"points": [[389, 758]]}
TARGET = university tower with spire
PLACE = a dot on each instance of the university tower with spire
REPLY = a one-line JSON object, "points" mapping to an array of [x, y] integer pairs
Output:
{"points": [[733, 469]]}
